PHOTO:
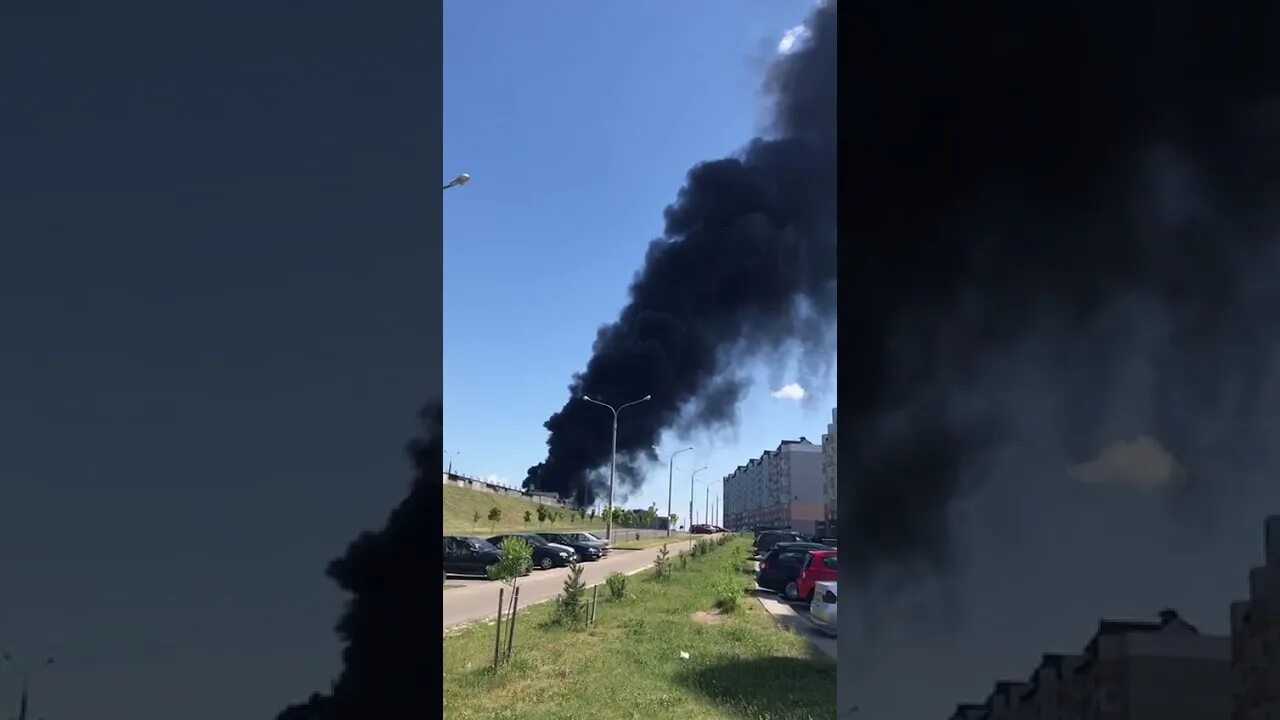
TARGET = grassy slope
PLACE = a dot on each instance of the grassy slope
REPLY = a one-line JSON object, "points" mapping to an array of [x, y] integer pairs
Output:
{"points": [[741, 667], [461, 504]]}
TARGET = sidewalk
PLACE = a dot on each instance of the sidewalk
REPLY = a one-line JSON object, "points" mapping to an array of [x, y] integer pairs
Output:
{"points": [[796, 619]]}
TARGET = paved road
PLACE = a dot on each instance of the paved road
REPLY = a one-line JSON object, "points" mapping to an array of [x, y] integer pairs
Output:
{"points": [[471, 600]]}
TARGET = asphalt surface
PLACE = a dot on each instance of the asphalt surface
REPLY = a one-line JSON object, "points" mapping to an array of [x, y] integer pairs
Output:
{"points": [[469, 600], [795, 616]]}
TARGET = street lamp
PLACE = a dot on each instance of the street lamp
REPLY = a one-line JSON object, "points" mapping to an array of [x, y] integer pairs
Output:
{"points": [[706, 511], [451, 454], [23, 700], [692, 475], [613, 457], [459, 181], [671, 469]]}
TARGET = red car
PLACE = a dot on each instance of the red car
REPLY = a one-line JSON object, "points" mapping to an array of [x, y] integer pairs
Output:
{"points": [[819, 566]]}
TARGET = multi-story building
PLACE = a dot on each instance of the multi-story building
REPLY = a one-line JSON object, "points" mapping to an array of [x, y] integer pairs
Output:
{"points": [[1255, 637], [781, 488], [968, 711], [1165, 670], [1004, 701], [829, 447], [1053, 691]]}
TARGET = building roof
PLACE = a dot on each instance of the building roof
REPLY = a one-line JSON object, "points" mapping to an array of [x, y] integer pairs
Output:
{"points": [[1126, 627], [967, 711], [1048, 661]]}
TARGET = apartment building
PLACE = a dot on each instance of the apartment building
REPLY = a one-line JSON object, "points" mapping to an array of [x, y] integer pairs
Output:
{"points": [[1165, 670], [1161, 670], [829, 448], [1005, 701], [1255, 637], [968, 711], [782, 488], [1053, 691]]}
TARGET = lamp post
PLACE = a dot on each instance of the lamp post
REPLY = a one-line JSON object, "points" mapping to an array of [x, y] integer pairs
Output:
{"points": [[459, 181], [451, 454], [692, 475], [707, 510], [24, 698], [613, 456], [671, 469]]}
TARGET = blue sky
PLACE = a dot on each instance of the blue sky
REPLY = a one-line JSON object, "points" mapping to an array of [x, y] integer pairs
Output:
{"points": [[578, 127]]}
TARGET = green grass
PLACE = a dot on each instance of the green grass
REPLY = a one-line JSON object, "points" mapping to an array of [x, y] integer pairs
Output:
{"points": [[742, 665], [461, 504]]}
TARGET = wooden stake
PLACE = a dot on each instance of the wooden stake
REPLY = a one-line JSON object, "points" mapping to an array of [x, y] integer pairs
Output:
{"points": [[511, 623], [497, 640]]}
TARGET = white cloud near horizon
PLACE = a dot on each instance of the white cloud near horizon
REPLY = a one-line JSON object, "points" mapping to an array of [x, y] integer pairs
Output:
{"points": [[497, 480], [791, 391], [1141, 462], [792, 38]]}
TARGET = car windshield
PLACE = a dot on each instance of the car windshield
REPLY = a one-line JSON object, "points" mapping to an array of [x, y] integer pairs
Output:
{"points": [[532, 539], [480, 544], [589, 537]]}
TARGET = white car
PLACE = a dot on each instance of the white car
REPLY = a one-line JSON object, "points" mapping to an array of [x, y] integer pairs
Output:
{"points": [[822, 609]]}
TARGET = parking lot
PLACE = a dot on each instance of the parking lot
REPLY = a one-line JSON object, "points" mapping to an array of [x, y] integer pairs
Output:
{"points": [[468, 600]]}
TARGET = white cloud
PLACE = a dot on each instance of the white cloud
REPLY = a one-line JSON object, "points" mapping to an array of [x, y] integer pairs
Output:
{"points": [[1142, 462], [792, 391], [792, 38], [497, 480]]}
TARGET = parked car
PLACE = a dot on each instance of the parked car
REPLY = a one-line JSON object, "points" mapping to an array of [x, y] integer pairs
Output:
{"points": [[781, 566], [587, 546], [822, 609], [819, 566], [546, 555], [465, 555], [767, 539], [702, 529]]}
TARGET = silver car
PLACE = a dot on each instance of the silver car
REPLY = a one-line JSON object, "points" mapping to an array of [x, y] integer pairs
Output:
{"points": [[822, 609]]}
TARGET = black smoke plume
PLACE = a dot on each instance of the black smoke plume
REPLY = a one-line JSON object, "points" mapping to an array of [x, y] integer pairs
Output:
{"points": [[1060, 212], [1058, 313], [746, 266], [391, 656]]}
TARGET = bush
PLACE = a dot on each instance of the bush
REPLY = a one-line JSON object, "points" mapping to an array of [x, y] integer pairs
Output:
{"points": [[684, 561], [662, 564], [517, 558], [728, 592], [571, 606], [617, 585]]}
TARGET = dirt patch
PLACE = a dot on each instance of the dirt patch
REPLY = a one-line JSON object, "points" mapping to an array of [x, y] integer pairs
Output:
{"points": [[709, 618]]}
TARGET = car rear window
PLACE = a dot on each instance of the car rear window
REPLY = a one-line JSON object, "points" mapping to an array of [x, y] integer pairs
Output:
{"points": [[830, 562]]}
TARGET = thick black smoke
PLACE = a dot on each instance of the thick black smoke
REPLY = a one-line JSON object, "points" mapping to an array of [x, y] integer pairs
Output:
{"points": [[746, 266], [391, 660], [1062, 208]]}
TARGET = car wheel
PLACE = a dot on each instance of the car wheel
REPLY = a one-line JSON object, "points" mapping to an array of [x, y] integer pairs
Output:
{"points": [[792, 591], [547, 563]]}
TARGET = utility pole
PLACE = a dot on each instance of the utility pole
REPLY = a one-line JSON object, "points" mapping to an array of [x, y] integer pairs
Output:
{"points": [[671, 469], [692, 475]]}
